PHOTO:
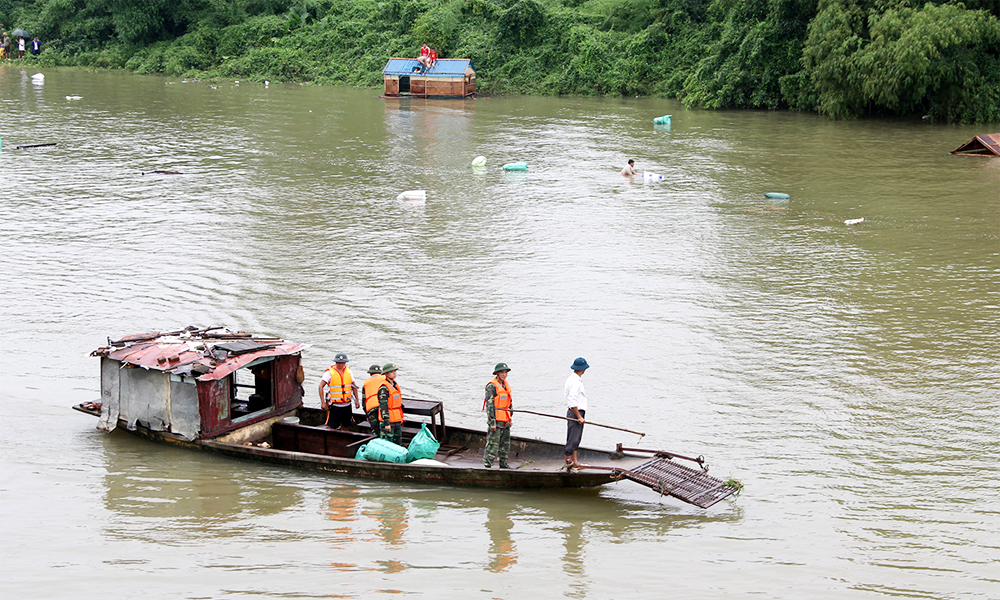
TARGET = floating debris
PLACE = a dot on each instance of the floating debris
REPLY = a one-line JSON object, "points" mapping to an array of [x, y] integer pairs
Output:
{"points": [[413, 195]]}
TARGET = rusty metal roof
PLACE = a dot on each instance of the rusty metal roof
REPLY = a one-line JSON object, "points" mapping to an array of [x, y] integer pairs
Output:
{"points": [[209, 354], [985, 144]]}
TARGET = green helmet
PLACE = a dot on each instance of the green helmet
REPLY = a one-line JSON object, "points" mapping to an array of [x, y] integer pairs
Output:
{"points": [[501, 367], [374, 369], [388, 368]]}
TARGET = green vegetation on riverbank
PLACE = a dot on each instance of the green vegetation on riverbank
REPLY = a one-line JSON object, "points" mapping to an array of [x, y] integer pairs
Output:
{"points": [[843, 58]]}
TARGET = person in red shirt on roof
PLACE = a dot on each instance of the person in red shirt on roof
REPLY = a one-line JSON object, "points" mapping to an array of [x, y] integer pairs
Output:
{"points": [[424, 57], [432, 58]]}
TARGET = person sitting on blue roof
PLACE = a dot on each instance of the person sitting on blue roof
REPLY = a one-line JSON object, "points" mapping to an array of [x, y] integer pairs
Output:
{"points": [[424, 57]]}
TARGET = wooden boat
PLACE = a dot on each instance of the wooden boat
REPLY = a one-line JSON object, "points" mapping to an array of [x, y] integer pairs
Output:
{"points": [[241, 396]]}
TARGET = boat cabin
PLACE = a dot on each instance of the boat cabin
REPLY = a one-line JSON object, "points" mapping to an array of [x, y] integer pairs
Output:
{"points": [[986, 144], [198, 383], [448, 78]]}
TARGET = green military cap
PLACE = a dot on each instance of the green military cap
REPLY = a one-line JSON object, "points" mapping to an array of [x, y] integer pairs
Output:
{"points": [[374, 369], [501, 367], [388, 368]]}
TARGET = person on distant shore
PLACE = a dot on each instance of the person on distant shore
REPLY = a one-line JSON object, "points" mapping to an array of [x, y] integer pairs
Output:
{"points": [[369, 389], [337, 399], [629, 169], [36, 47], [20, 47], [576, 409], [497, 406], [5, 46], [390, 406]]}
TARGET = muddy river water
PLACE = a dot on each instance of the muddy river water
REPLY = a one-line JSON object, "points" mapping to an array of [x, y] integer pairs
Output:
{"points": [[848, 375]]}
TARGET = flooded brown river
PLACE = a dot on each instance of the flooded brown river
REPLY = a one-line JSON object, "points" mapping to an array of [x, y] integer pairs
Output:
{"points": [[848, 375]]}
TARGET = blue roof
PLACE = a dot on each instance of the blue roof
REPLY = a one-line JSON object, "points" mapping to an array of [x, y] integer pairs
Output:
{"points": [[444, 67]]}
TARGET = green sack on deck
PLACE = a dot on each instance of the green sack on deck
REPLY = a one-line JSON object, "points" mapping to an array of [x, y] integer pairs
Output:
{"points": [[379, 450], [423, 445]]}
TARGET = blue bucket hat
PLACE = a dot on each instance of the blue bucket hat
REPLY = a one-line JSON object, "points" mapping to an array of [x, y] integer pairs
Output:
{"points": [[340, 357], [580, 364]]}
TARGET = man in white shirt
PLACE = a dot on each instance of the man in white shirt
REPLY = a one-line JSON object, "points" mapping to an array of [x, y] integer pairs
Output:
{"points": [[576, 409], [336, 399]]}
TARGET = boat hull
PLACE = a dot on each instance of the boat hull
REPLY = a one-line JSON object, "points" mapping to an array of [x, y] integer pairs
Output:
{"points": [[538, 464]]}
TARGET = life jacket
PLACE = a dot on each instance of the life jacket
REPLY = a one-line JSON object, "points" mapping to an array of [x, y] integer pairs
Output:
{"points": [[339, 390], [501, 401], [370, 390], [395, 401]]}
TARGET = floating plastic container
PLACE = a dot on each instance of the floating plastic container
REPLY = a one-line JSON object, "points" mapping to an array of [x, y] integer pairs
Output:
{"points": [[479, 161], [291, 420], [516, 166], [854, 221], [413, 195], [423, 445], [664, 120], [37, 77], [649, 176], [382, 451], [777, 196]]}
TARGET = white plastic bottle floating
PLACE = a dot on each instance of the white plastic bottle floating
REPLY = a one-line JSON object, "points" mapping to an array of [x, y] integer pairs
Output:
{"points": [[854, 221], [649, 176], [74, 97], [413, 196], [38, 76], [479, 161]]}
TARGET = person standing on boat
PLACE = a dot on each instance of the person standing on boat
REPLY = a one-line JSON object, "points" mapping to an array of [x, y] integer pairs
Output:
{"points": [[497, 406], [336, 400], [629, 169], [576, 409], [390, 406], [369, 389]]}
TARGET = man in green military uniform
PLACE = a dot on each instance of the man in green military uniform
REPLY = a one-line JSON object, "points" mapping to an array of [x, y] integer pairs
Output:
{"points": [[390, 406], [498, 409]]}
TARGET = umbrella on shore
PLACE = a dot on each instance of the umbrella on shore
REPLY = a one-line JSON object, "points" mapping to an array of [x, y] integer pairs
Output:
{"points": [[20, 33]]}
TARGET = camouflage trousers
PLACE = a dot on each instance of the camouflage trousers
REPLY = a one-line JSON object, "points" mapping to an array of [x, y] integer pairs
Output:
{"points": [[497, 444], [373, 420], [392, 432]]}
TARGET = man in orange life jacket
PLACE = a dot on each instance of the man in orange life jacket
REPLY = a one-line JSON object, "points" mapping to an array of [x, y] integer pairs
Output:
{"points": [[336, 400], [369, 389], [497, 406], [390, 406]]}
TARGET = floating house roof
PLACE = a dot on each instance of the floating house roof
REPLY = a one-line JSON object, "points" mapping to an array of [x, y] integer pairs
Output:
{"points": [[207, 354], [987, 144], [444, 67]]}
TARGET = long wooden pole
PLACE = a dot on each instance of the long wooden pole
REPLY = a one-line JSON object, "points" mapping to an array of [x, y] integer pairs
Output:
{"points": [[531, 412]]}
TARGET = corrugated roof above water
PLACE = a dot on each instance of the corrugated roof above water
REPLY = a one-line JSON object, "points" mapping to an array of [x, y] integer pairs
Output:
{"points": [[208, 354], [444, 67], [986, 144]]}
